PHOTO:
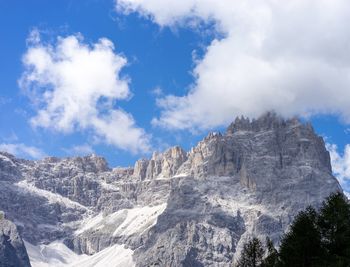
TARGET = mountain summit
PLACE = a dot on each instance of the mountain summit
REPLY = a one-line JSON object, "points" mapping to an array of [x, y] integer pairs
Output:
{"points": [[177, 208]]}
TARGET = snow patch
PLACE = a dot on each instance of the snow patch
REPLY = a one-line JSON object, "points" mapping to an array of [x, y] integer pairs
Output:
{"points": [[114, 256], [4, 158], [124, 222], [139, 219], [108, 186], [54, 254], [59, 255], [51, 197], [181, 175], [90, 223]]}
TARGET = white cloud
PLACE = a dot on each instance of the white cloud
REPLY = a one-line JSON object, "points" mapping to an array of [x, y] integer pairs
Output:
{"points": [[157, 91], [83, 150], [76, 86], [341, 165], [22, 150], [291, 57]]}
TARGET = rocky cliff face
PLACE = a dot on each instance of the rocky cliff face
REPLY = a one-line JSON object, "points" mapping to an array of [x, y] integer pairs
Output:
{"points": [[177, 208], [161, 165], [12, 250]]}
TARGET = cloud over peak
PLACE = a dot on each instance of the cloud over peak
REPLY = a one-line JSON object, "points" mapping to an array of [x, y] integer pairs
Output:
{"points": [[22, 150], [76, 86], [291, 57]]}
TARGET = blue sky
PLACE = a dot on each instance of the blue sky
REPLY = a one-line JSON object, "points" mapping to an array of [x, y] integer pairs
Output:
{"points": [[158, 58], [178, 69]]}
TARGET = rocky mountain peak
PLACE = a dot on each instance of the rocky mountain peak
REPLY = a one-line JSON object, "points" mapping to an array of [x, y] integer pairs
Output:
{"points": [[7, 155], [268, 121], [285, 141], [206, 202], [212, 135], [160, 165], [249, 144], [8, 167], [90, 163], [97, 163]]}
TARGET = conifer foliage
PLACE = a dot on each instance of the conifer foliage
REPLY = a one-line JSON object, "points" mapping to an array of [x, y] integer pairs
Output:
{"points": [[334, 226], [301, 246], [271, 259], [315, 239], [252, 254]]}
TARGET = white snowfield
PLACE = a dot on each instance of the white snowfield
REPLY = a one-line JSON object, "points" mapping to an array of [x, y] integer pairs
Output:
{"points": [[124, 222], [57, 254]]}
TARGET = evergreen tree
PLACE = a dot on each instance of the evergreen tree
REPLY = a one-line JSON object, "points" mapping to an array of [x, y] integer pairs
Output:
{"points": [[315, 239], [252, 254], [301, 246], [271, 259], [334, 225]]}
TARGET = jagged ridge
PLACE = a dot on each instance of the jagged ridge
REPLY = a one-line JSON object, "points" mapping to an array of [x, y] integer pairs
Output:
{"points": [[251, 180]]}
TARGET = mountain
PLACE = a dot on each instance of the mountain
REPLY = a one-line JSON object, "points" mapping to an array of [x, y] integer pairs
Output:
{"points": [[176, 208]]}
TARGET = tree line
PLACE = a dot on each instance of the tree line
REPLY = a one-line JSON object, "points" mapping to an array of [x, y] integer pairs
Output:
{"points": [[316, 238]]}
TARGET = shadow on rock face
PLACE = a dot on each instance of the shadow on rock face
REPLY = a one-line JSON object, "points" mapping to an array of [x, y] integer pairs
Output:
{"points": [[12, 250]]}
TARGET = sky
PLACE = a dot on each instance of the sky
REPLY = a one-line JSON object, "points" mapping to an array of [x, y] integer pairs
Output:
{"points": [[125, 78]]}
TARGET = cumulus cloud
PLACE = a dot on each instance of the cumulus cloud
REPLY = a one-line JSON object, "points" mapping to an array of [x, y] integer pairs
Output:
{"points": [[76, 86], [291, 57], [341, 165], [22, 150]]}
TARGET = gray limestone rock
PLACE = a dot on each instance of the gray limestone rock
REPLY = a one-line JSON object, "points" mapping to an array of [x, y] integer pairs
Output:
{"points": [[161, 165], [252, 180], [12, 250], [191, 232]]}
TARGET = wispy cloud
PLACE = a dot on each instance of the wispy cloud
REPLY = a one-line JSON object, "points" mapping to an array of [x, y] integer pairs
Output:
{"points": [[4, 100], [75, 86], [157, 91], [22, 150], [79, 150]]}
